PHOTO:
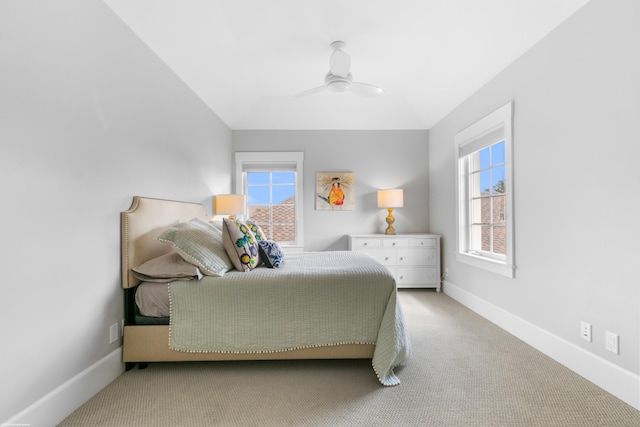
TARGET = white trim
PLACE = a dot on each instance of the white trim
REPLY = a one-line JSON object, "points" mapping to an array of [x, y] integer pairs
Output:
{"points": [[623, 384], [490, 129], [489, 264], [57, 405], [276, 158]]}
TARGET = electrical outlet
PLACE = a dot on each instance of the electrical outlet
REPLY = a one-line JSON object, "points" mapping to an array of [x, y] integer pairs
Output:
{"points": [[113, 333], [585, 331], [446, 272], [611, 342]]}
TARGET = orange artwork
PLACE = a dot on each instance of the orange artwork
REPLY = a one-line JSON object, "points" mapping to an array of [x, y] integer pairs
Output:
{"points": [[334, 191]]}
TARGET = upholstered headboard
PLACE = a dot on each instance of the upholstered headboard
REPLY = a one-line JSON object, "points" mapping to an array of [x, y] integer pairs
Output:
{"points": [[142, 223]]}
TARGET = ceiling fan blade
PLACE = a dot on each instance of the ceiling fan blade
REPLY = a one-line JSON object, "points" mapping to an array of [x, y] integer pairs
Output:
{"points": [[365, 89], [312, 91], [340, 63]]}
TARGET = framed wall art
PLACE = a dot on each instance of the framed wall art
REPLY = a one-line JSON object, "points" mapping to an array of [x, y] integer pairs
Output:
{"points": [[334, 191]]}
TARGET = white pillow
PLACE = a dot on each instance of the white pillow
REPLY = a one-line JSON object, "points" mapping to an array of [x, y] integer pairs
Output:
{"points": [[199, 243]]}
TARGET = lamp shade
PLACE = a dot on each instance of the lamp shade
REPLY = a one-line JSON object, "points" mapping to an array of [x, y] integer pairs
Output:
{"points": [[229, 204], [393, 198]]}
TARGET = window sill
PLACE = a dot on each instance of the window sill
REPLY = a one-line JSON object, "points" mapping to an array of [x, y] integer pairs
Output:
{"points": [[487, 264], [291, 249]]}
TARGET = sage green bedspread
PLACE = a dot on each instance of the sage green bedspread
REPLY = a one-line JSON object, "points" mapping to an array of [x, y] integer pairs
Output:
{"points": [[316, 299]]}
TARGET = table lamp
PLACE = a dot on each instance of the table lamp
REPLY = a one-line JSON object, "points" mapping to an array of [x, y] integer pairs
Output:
{"points": [[390, 199], [229, 204]]}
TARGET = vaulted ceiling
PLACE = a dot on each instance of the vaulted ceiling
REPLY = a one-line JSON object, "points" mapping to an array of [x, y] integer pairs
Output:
{"points": [[248, 59]]}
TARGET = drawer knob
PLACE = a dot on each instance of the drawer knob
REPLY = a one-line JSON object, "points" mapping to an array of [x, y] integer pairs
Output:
{"points": [[401, 258], [365, 244], [386, 258], [393, 244]]}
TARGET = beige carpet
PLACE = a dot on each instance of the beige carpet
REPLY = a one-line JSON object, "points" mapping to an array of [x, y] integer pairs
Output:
{"points": [[463, 371]]}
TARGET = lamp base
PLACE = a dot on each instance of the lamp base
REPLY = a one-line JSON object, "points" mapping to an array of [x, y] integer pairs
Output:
{"points": [[390, 220]]}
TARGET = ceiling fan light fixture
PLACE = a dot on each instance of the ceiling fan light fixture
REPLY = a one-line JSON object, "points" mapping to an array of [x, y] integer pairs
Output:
{"points": [[341, 85], [337, 83]]}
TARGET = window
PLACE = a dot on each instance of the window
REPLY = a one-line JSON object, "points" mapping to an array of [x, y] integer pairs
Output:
{"points": [[487, 234], [485, 193], [272, 182], [271, 203]]}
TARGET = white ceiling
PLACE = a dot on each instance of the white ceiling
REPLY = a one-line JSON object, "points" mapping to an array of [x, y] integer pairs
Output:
{"points": [[247, 59]]}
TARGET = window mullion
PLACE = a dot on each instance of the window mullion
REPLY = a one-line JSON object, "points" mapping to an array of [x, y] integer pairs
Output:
{"points": [[271, 216]]}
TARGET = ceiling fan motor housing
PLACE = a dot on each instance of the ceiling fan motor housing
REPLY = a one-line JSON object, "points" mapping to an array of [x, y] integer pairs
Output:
{"points": [[338, 83]]}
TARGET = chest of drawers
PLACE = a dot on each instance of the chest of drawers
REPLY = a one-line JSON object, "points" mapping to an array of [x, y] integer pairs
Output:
{"points": [[413, 259]]}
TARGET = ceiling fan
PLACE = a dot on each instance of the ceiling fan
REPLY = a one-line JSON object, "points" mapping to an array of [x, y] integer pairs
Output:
{"points": [[339, 78]]}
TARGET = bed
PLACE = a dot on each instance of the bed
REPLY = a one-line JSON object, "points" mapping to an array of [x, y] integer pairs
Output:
{"points": [[319, 305]]}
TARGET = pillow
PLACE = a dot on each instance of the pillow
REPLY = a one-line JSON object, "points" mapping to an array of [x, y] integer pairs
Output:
{"points": [[256, 230], [241, 245], [199, 243], [166, 268], [152, 300], [271, 253], [217, 224]]}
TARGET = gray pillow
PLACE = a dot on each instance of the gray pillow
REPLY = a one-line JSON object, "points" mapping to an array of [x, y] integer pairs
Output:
{"points": [[166, 268], [199, 243]]}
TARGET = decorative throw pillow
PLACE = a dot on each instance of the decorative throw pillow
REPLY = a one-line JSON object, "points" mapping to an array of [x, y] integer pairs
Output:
{"points": [[199, 243], [271, 253], [241, 245], [166, 268], [256, 230]]}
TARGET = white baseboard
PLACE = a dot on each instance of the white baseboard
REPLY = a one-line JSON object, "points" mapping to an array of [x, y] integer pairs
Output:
{"points": [[621, 383], [69, 396]]}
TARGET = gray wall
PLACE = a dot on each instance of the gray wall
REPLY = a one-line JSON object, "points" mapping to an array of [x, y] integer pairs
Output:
{"points": [[378, 159], [576, 181], [89, 117]]}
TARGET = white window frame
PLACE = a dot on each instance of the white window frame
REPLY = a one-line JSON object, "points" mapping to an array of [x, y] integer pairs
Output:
{"points": [[496, 127], [274, 161]]}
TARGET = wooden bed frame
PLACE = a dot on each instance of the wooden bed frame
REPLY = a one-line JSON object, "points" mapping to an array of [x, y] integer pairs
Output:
{"points": [[140, 224]]}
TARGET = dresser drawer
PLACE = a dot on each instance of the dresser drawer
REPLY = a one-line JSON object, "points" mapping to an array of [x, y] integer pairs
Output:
{"points": [[364, 243], [414, 276], [382, 255], [395, 243], [417, 256], [426, 242]]}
